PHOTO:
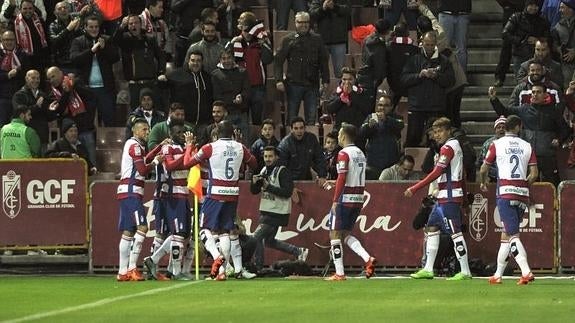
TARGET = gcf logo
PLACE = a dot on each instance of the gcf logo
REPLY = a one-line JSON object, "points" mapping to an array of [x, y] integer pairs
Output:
{"points": [[11, 194], [478, 221]]}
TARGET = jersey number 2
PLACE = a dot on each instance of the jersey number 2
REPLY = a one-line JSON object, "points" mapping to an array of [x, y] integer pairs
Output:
{"points": [[514, 159]]}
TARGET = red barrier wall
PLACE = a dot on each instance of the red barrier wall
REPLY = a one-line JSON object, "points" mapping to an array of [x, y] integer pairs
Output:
{"points": [[567, 227], [44, 202], [384, 226]]}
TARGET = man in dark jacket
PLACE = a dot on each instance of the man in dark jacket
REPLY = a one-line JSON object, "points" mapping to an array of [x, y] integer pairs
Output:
{"points": [[426, 75], [146, 110], [300, 152], [374, 66], [509, 8], [13, 65], [142, 59], [543, 127], [523, 30], [564, 40], [192, 87], [400, 49], [62, 31], [307, 59], [349, 104], [69, 146], [331, 17], [187, 13], [93, 55]]}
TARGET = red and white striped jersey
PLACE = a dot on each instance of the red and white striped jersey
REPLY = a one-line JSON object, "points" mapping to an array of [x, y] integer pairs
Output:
{"points": [[351, 163], [131, 180], [450, 183], [176, 178], [513, 156], [225, 158]]}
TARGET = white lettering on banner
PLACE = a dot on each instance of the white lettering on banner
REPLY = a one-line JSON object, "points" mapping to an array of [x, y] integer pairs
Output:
{"points": [[53, 194], [11, 200], [528, 224]]}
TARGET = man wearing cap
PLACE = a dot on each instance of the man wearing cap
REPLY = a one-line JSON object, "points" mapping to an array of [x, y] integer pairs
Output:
{"points": [[563, 37], [146, 110], [499, 128], [69, 146]]}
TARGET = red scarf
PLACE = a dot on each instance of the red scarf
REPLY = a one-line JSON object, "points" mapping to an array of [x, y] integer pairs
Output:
{"points": [[75, 104], [23, 36], [148, 26], [10, 60]]}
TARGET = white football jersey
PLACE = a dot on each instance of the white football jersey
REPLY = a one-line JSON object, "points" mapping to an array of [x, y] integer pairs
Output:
{"points": [[351, 162]]}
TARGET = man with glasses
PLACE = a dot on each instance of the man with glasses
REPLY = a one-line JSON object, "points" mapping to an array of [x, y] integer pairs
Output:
{"points": [[13, 62], [307, 59]]}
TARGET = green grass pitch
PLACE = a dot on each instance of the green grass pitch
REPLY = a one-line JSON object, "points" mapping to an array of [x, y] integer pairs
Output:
{"points": [[102, 299]]}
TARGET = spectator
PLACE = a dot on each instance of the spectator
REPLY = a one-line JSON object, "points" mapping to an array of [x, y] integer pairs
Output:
{"points": [[229, 11], [564, 40], [146, 110], [374, 66], [208, 15], [454, 17], [348, 104], [300, 152], [400, 49], [401, 171], [17, 139], [142, 59], [391, 10], [282, 11], [69, 146], [62, 31], [232, 86], [192, 86], [543, 127], [382, 130], [330, 151], [331, 17], [550, 11], [154, 25], [31, 36], [187, 16], [31, 96], [252, 51], [523, 30], [161, 130], [499, 128], [13, 64], [426, 75], [509, 8], [307, 59], [74, 102], [84, 9], [11, 9], [93, 54], [266, 139], [209, 46], [219, 113], [552, 69]]}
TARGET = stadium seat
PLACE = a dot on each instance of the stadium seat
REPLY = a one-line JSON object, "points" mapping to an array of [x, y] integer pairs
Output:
{"points": [[110, 137], [109, 160]]}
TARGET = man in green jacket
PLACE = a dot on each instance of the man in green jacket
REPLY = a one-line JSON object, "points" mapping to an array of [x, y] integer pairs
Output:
{"points": [[17, 139]]}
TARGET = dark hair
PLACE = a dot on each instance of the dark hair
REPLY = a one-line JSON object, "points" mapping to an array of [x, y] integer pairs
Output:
{"points": [[270, 122], [400, 30], [152, 3], [205, 23], [138, 121], [29, 1], [405, 158], [424, 24], [382, 26], [226, 52], [348, 70], [176, 106], [271, 148], [175, 125], [219, 103], [332, 135], [196, 52], [134, 16], [349, 130], [541, 85], [21, 109], [295, 120], [93, 18], [512, 122], [206, 13], [225, 129]]}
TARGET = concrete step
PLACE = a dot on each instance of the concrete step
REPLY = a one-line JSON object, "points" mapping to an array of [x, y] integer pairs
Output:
{"points": [[478, 115], [477, 141], [486, 6], [482, 68], [481, 90], [481, 128], [485, 17], [487, 79], [483, 55], [484, 29], [475, 104], [494, 42]]}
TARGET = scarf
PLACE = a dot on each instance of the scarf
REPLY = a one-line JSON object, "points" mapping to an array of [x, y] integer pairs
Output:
{"points": [[402, 40], [148, 26], [75, 104], [10, 60], [23, 36], [346, 97]]}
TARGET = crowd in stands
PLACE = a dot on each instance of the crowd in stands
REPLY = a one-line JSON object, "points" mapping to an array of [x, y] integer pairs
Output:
{"points": [[66, 64]]}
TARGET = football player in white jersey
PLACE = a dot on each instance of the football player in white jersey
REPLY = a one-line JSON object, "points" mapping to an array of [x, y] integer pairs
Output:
{"points": [[225, 157], [516, 170], [446, 214], [348, 201]]}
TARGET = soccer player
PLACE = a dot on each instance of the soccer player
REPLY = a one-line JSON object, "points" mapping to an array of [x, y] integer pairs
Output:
{"points": [[347, 202], [133, 223], [446, 214], [177, 209], [225, 157], [515, 160]]}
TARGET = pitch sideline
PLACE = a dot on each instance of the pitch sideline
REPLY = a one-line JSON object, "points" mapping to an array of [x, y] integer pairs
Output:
{"points": [[98, 303]]}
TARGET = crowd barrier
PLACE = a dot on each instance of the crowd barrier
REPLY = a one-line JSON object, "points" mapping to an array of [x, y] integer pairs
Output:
{"points": [[44, 203], [567, 225], [384, 226]]}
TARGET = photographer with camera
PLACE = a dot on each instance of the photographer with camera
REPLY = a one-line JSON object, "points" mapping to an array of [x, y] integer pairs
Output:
{"points": [[276, 185]]}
